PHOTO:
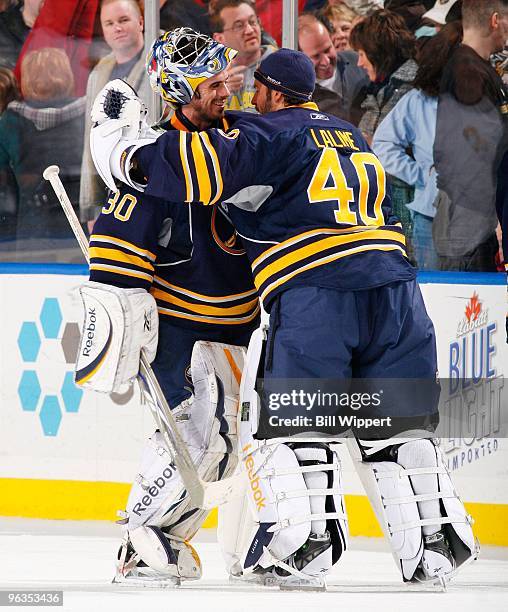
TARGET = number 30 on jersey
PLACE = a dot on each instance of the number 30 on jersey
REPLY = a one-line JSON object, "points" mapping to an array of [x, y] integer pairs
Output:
{"points": [[122, 209]]}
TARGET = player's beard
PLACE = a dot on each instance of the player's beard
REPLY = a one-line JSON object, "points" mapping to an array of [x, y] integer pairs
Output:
{"points": [[211, 112], [268, 105]]}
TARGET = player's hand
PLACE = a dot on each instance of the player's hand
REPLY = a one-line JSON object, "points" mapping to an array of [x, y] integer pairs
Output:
{"points": [[118, 123], [236, 78]]}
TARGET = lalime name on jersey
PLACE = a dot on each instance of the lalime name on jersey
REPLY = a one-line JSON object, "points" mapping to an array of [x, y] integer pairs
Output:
{"points": [[329, 421], [338, 139]]}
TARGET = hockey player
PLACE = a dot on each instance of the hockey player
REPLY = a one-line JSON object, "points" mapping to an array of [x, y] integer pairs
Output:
{"points": [[202, 251], [309, 199], [187, 264]]}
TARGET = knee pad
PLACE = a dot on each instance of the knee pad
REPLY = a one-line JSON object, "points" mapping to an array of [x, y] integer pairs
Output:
{"points": [[208, 425], [414, 499]]}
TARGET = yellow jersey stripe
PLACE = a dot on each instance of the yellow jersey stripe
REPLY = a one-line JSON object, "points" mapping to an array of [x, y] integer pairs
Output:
{"points": [[114, 254], [123, 243], [316, 232], [201, 309], [124, 271], [309, 105], [216, 320], [316, 247], [330, 258], [185, 166], [216, 166], [204, 183], [205, 298]]}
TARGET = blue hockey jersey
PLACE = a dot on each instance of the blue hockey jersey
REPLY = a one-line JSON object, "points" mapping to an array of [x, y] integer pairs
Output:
{"points": [[303, 190], [190, 258]]}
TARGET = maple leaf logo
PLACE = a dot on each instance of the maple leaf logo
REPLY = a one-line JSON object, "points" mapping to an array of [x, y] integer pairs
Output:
{"points": [[473, 308]]}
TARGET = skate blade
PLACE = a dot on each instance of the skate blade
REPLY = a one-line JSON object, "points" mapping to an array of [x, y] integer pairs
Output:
{"points": [[303, 585], [254, 580], [283, 583], [147, 582]]}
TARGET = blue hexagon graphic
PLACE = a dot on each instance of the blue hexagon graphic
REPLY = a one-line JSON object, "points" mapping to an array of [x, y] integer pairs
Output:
{"points": [[51, 317], [29, 390], [50, 415], [71, 394], [29, 341]]}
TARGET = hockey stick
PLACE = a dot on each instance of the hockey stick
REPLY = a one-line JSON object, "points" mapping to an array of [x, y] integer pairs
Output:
{"points": [[203, 494]]}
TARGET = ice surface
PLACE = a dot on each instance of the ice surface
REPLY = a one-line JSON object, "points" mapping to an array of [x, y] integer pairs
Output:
{"points": [[78, 558]]}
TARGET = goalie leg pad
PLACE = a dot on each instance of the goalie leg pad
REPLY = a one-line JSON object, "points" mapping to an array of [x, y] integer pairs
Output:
{"points": [[294, 518], [208, 425], [118, 324], [166, 556], [158, 504], [296, 498], [411, 491]]}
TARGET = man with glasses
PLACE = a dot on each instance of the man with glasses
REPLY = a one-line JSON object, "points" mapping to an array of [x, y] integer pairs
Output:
{"points": [[236, 25]]}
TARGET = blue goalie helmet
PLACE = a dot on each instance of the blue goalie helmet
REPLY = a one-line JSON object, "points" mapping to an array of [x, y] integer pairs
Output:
{"points": [[181, 59]]}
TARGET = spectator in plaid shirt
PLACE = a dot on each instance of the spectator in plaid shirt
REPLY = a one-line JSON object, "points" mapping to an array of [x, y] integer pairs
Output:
{"points": [[45, 128]]}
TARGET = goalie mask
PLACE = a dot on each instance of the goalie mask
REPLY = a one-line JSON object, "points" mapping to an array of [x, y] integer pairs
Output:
{"points": [[182, 59]]}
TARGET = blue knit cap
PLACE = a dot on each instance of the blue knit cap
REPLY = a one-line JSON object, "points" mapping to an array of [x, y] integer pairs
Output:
{"points": [[288, 71]]}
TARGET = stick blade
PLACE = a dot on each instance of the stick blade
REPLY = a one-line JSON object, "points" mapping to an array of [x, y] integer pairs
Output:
{"points": [[220, 492]]}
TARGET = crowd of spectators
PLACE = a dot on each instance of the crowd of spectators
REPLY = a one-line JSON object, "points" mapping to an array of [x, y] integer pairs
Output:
{"points": [[422, 79]]}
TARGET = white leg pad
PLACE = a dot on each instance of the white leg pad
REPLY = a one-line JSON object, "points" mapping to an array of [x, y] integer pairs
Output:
{"points": [[235, 526], [294, 495], [208, 425], [416, 503]]}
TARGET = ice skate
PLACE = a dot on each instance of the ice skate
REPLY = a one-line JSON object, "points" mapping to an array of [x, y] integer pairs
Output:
{"points": [[291, 574], [132, 570]]}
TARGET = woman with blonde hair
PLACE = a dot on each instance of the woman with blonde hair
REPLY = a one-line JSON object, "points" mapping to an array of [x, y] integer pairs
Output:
{"points": [[46, 74], [342, 19], [45, 128]]}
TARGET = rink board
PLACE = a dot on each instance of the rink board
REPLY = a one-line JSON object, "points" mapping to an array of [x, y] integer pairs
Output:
{"points": [[70, 455]]}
